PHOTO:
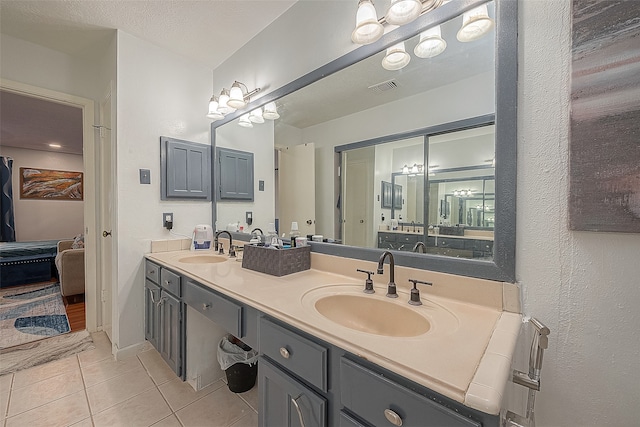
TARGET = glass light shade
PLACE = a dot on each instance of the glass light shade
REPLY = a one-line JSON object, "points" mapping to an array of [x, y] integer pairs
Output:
{"points": [[396, 57], [431, 43], [236, 97], [475, 24], [223, 107], [368, 29], [271, 111], [414, 169], [405, 169], [213, 110], [245, 122], [256, 116], [403, 11]]}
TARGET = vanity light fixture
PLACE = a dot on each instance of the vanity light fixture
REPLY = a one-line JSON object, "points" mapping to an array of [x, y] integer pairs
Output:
{"points": [[213, 109], [475, 24], [237, 97], [245, 122], [431, 43], [405, 169], [368, 29], [396, 57], [223, 103], [403, 11], [256, 116], [271, 111]]}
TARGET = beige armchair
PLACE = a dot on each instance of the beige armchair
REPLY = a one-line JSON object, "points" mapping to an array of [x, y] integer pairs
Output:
{"points": [[70, 264]]}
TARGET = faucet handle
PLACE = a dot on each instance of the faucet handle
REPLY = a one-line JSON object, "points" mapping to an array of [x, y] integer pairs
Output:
{"points": [[232, 251], [415, 293], [368, 284]]}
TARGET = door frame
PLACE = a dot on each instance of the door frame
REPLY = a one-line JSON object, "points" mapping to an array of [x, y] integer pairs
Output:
{"points": [[90, 197]]}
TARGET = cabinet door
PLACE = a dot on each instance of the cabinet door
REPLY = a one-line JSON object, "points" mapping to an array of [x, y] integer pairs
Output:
{"points": [[152, 313], [186, 170], [235, 174], [170, 331], [285, 402]]}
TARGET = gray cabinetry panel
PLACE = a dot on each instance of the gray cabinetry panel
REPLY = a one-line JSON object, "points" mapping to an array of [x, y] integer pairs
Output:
{"points": [[284, 401], [152, 272], [185, 170], [348, 421], [170, 281], [152, 294], [235, 174], [296, 353], [368, 394], [217, 308], [170, 331]]}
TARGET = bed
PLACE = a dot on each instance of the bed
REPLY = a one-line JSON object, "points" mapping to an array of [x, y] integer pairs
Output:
{"points": [[22, 263]]}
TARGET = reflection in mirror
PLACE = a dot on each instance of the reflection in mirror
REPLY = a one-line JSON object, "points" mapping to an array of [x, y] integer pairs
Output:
{"points": [[364, 102]]}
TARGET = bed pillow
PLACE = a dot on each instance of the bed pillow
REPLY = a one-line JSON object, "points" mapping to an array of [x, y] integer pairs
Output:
{"points": [[78, 242]]}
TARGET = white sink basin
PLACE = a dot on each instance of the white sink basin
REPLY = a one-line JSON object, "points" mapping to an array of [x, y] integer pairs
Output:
{"points": [[202, 259]]}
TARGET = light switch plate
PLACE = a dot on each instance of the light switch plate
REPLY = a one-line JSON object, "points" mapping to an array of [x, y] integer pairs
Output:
{"points": [[145, 176], [260, 185]]}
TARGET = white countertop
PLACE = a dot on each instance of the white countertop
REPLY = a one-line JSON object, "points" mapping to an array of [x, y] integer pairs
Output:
{"points": [[466, 355]]}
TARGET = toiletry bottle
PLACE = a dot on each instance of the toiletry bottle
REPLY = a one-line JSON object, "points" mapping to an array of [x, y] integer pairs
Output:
{"points": [[294, 233]]}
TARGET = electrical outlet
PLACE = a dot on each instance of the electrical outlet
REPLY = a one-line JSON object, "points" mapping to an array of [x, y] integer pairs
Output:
{"points": [[167, 220], [249, 218]]}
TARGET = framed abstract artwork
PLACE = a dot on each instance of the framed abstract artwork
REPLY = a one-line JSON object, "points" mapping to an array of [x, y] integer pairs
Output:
{"points": [[604, 146], [45, 184]]}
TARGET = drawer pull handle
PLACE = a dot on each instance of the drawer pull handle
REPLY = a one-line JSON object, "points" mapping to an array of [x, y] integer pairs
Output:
{"points": [[392, 417], [294, 400], [151, 272], [167, 283], [284, 353], [206, 306]]}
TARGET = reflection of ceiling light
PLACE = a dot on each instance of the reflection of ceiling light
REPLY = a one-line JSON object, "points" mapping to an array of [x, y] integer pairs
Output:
{"points": [[53, 145], [463, 193], [245, 122], [405, 169], [414, 169], [431, 43], [368, 29], [403, 11], [271, 111], [475, 24], [256, 116], [396, 57]]}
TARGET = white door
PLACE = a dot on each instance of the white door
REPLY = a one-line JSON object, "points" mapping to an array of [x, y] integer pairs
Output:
{"points": [[297, 188], [107, 184], [357, 191]]}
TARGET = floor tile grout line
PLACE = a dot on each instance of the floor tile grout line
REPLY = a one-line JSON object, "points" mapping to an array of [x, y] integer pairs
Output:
{"points": [[84, 383]]}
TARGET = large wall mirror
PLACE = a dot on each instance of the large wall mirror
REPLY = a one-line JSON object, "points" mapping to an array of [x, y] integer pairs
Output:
{"points": [[374, 160]]}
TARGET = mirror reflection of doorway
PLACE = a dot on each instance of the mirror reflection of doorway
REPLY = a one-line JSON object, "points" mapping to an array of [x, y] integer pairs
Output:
{"points": [[358, 196]]}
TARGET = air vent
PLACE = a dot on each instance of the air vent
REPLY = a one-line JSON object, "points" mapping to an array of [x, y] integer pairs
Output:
{"points": [[384, 86]]}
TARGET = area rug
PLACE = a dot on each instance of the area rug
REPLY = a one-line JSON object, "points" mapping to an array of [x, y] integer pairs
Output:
{"points": [[35, 353], [31, 313]]}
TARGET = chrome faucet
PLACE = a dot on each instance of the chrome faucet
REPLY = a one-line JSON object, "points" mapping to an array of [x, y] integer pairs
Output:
{"points": [[391, 289], [418, 246], [232, 252], [413, 224]]}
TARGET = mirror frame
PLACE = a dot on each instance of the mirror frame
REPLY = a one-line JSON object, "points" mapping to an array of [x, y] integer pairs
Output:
{"points": [[502, 267]]}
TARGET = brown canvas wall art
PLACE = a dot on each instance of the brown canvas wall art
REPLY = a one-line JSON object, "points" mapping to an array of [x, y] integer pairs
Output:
{"points": [[50, 184], [604, 149]]}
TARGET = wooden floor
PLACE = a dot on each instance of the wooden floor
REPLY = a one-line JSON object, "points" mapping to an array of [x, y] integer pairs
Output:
{"points": [[76, 312]]}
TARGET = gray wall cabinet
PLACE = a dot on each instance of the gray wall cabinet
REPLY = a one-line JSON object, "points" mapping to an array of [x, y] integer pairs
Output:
{"points": [[185, 170], [235, 174]]}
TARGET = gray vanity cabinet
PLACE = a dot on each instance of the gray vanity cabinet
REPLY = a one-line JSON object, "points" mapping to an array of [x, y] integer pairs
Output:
{"points": [[164, 314], [286, 402]]}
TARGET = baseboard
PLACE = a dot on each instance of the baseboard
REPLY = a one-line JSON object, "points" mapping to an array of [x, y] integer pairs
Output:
{"points": [[123, 353]]}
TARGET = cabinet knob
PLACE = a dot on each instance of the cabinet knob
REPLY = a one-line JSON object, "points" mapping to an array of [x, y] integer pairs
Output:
{"points": [[206, 306], [284, 353], [392, 417]]}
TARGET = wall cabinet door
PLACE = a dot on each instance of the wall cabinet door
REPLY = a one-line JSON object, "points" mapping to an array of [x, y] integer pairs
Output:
{"points": [[235, 174], [152, 312], [170, 331], [286, 402], [185, 170]]}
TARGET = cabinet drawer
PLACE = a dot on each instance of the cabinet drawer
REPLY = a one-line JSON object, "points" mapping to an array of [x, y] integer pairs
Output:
{"points": [[296, 353], [407, 238], [170, 281], [445, 242], [348, 421], [220, 310], [152, 272], [386, 237], [370, 395]]}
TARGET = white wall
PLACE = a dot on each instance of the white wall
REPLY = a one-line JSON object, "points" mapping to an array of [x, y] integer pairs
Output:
{"points": [[158, 94], [258, 140], [44, 219], [584, 286]]}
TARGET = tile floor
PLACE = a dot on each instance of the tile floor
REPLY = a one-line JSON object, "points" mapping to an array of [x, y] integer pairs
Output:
{"points": [[91, 389]]}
